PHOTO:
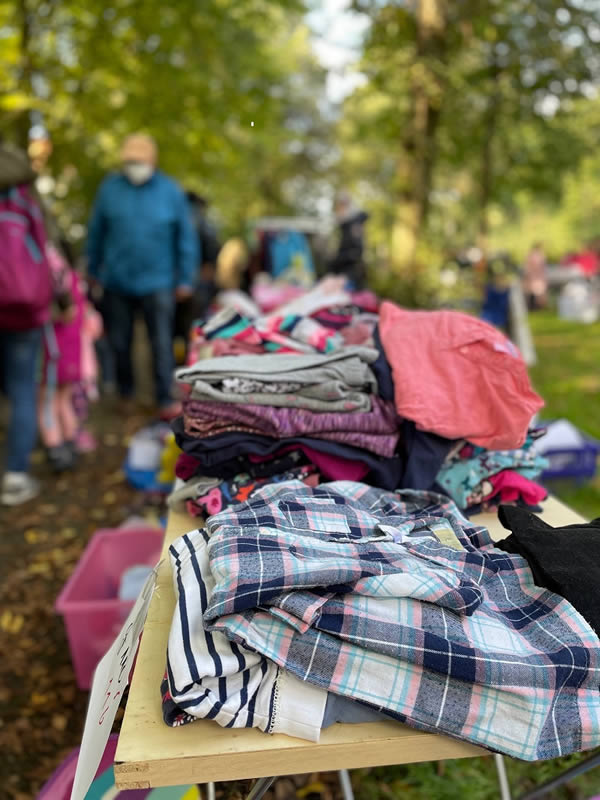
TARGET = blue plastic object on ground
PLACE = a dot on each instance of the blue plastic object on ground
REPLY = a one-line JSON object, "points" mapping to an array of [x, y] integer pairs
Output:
{"points": [[145, 480]]}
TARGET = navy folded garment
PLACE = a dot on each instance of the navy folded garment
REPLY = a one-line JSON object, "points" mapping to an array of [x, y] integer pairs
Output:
{"points": [[423, 455], [385, 473], [382, 369]]}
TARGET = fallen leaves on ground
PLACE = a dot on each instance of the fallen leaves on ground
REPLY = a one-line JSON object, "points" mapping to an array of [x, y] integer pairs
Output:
{"points": [[41, 709]]}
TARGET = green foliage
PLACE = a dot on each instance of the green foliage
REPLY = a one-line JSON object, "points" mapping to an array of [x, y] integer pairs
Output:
{"points": [[509, 83], [566, 376], [194, 75], [512, 82], [472, 778]]}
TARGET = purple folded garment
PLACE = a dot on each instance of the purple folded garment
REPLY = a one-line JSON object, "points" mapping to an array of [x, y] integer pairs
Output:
{"points": [[383, 444], [376, 430]]}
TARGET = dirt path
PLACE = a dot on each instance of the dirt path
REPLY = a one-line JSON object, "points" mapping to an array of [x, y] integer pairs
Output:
{"points": [[41, 710]]}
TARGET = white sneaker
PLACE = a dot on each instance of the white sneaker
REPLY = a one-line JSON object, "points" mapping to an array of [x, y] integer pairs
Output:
{"points": [[17, 488]]}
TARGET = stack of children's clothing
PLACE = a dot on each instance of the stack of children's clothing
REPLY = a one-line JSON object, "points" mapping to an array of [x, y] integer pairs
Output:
{"points": [[305, 602], [250, 418], [432, 400], [317, 321]]}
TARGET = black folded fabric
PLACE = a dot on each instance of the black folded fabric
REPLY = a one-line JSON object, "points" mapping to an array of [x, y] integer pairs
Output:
{"points": [[564, 560]]}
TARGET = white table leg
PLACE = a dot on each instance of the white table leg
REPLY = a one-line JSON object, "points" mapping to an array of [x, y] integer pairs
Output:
{"points": [[502, 777]]}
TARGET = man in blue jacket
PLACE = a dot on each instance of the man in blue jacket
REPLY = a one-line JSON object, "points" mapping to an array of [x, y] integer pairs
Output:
{"points": [[143, 250]]}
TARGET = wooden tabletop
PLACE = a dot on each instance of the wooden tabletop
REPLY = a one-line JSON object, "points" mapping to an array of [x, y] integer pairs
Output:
{"points": [[151, 754]]}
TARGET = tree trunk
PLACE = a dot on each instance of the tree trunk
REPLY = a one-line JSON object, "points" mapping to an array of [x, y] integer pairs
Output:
{"points": [[415, 168], [487, 155]]}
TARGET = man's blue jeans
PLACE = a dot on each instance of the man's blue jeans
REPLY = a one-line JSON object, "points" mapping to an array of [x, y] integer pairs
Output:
{"points": [[19, 351], [158, 310]]}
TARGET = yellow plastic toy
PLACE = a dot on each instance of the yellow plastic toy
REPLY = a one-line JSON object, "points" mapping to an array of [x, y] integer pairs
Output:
{"points": [[168, 457]]}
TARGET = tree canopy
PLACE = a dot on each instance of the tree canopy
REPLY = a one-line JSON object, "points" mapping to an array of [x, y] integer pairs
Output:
{"points": [[229, 90], [476, 120]]}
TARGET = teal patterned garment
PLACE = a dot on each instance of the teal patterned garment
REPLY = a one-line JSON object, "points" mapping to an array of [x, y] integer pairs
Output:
{"points": [[461, 478]]}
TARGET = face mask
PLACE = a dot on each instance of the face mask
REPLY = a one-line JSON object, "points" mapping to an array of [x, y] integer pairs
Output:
{"points": [[138, 172]]}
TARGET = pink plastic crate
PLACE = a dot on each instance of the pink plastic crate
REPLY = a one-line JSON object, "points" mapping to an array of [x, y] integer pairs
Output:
{"points": [[89, 601]]}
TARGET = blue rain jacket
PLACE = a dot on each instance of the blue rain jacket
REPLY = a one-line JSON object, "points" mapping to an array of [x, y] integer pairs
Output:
{"points": [[141, 238]]}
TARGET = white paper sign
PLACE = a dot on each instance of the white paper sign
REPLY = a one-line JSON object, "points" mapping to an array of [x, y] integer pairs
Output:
{"points": [[109, 683]]}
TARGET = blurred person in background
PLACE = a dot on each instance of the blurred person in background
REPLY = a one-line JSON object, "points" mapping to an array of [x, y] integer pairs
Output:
{"points": [[535, 280], [587, 260], [204, 286], [349, 259], [232, 264], [142, 250], [25, 299], [69, 365], [207, 235]]}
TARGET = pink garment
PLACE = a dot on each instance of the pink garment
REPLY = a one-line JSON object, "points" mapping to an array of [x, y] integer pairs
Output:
{"points": [[365, 300], [334, 468], [357, 333], [457, 376], [512, 486], [587, 261], [67, 337], [271, 296], [186, 466], [91, 330], [231, 347], [333, 319]]}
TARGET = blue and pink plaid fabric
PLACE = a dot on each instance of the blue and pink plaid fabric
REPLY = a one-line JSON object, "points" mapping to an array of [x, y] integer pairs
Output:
{"points": [[397, 600]]}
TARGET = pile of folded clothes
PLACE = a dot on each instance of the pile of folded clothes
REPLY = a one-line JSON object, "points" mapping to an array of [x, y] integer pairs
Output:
{"points": [[478, 479], [251, 417], [429, 400], [306, 606], [338, 577], [321, 320]]}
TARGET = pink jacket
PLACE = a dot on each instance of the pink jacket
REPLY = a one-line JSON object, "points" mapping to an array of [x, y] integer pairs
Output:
{"points": [[91, 330]]}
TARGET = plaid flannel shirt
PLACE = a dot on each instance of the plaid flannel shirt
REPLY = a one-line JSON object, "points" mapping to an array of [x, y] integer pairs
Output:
{"points": [[396, 600]]}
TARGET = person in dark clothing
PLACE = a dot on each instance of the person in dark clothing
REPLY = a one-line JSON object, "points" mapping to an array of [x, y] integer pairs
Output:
{"points": [[349, 259], [207, 233], [208, 250]]}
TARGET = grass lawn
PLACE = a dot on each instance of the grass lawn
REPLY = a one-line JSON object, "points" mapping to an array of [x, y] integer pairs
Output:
{"points": [[567, 375]]}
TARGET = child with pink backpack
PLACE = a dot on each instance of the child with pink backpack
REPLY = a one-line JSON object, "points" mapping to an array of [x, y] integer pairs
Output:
{"points": [[69, 367], [25, 300]]}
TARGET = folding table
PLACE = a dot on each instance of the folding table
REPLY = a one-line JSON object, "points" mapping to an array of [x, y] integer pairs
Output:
{"points": [[151, 754]]}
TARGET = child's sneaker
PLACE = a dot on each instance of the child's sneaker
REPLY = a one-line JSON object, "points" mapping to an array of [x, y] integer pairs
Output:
{"points": [[18, 488], [61, 457]]}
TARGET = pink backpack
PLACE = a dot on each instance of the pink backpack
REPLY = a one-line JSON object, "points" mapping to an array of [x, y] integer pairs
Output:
{"points": [[25, 281]]}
